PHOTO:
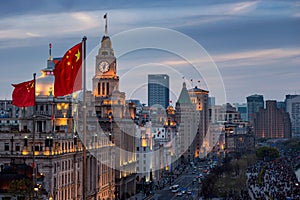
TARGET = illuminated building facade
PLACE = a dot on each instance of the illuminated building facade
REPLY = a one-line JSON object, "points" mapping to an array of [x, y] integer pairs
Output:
{"points": [[48, 130], [187, 129], [272, 122], [199, 99], [116, 118], [239, 138]]}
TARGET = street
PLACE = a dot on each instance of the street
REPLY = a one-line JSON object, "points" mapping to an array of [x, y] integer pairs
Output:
{"points": [[184, 181]]}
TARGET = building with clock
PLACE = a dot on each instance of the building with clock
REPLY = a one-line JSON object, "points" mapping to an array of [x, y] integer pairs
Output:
{"points": [[116, 118], [46, 135]]}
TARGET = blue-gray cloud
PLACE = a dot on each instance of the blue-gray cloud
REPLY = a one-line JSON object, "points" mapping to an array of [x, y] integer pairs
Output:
{"points": [[224, 29]]}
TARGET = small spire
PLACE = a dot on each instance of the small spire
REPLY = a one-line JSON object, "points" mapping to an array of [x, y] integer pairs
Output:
{"points": [[50, 56], [105, 17]]}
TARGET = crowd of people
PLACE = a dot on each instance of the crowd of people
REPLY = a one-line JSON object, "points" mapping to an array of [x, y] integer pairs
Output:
{"points": [[273, 180]]}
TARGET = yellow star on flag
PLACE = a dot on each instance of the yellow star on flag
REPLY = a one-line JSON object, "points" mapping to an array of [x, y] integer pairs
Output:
{"points": [[77, 55]]}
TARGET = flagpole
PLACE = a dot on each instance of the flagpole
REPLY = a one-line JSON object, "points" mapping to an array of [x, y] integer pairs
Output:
{"points": [[106, 24], [84, 181], [33, 137]]}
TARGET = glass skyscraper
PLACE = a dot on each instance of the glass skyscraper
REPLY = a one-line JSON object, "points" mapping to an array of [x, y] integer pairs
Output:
{"points": [[254, 103], [158, 90]]}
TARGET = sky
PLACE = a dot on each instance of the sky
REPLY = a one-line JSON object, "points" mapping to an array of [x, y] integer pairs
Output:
{"points": [[254, 45]]}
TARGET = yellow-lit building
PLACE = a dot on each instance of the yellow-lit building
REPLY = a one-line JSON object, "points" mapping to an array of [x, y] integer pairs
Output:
{"points": [[48, 135], [115, 118]]}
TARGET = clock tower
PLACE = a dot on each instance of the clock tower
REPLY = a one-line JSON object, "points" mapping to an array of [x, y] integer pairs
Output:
{"points": [[114, 118], [105, 80]]}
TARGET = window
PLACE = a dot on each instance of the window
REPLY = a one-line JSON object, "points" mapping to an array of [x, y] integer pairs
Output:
{"points": [[107, 88], [17, 146], [98, 88], [6, 147]]}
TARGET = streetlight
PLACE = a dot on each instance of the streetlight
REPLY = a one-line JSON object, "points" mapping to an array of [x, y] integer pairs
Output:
{"points": [[35, 189]]}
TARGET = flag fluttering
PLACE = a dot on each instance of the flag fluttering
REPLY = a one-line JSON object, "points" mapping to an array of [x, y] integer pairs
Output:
{"points": [[68, 73], [23, 94]]}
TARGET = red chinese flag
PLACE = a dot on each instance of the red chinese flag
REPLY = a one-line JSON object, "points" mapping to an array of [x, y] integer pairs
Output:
{"points": [[67, 72], [23, 94]]}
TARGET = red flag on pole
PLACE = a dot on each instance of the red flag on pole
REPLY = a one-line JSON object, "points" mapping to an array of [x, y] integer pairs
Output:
{"points": [[23, 94], [68, 73]]}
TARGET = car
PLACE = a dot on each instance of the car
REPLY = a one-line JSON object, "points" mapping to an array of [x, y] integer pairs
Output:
{"points": [[176, 190], [189, 192], [183, 190], [174, 187], [179, 194], [200, 175]]}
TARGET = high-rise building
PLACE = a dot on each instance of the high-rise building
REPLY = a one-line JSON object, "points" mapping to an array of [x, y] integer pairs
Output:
{"points": [[254, 103], [186, 117], [158, 90], [272, 122], [199, 99], [211, 101], [292, 103], [242, 109]]}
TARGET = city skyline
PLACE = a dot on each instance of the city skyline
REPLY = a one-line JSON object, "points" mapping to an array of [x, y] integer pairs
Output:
{"points": [[255, 45]]}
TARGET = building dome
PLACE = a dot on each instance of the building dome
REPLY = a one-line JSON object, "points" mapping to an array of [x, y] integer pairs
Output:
{"points": [[45, 84]]}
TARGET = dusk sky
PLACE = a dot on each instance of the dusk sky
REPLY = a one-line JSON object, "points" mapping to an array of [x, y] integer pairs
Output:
{"points": [[254, 44]]}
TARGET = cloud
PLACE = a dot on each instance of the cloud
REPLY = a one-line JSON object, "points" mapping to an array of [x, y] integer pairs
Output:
{"points": [[59, 25], [256, 57], [65, 23], [242, 8]]}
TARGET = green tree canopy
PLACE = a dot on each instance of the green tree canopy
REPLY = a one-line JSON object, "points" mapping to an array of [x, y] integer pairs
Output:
{"points": [[267, 153]]}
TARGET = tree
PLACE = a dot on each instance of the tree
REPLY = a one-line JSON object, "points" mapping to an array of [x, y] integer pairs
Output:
{"points": [[267, 153], [22, 188]]}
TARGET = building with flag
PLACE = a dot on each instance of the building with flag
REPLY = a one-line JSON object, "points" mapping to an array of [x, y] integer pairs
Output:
{"points": [[199, 98], [47, 138], [115, 117], [187, 129]]}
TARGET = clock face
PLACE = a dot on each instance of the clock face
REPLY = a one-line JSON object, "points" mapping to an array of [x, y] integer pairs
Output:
{"points": [[103, 66]]}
